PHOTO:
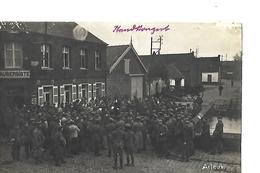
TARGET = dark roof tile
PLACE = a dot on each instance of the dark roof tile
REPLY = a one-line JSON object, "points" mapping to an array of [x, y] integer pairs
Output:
{"points": [[61, 29], [114, 52]]}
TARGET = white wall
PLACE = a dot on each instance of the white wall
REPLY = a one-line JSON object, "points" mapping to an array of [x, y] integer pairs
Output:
{"points": [[215, 77], [161, 84]]}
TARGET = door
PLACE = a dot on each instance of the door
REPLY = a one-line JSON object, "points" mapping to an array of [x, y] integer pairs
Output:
{"points": [[137, 87], [68, 94], [47, 97], [209, 78]]}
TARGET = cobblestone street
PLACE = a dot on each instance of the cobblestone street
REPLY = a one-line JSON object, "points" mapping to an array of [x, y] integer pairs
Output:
{"points": [[145, 162]]}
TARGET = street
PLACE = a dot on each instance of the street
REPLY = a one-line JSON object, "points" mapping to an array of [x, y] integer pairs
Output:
{"points": [[144, 162]]}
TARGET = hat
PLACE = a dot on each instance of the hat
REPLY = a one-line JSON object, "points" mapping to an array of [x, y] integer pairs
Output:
{"points": [[127, 125]]}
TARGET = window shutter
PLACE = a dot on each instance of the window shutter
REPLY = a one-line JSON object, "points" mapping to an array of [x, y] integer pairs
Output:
{"points": [[89, 92], [102, 89], [62, 95], [40, 96], [94, 91], [79, 91], [74, 92], [55, 96]]}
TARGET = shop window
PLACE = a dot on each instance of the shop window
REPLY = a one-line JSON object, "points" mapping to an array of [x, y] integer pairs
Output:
{"points": [[13, 55]]}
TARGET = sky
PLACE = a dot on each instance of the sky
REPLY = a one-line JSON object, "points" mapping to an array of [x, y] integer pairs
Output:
{"points": [[210, 39]]}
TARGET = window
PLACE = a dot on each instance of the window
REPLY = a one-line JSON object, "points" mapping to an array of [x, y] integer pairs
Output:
{"points": [[100, 89], [127, 61], [97, 60], [66, 57], [13, 55], [45, 51], [83, 59]]}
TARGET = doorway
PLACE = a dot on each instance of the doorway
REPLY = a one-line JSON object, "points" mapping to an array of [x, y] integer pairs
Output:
{"points": [[209, 78], [68, 94], [137, 87]]}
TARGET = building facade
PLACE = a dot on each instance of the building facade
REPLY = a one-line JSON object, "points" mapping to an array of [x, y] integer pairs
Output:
{"points": [[209, 68], [50, 62], [181, 69], [126, 75]]}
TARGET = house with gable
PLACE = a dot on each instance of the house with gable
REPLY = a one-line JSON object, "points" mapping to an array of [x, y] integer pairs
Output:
{"points": [[126, 72]]}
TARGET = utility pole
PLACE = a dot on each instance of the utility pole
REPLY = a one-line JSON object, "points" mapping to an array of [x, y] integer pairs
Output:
{"points": [[156, 49]]}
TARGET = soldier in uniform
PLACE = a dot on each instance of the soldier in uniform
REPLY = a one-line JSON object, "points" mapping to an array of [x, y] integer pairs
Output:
{"points": [[129, 145], [37, 143], [97, 136], [58, 146], [15, 138], [205, 135], [27, 139], [109, 128], [162, 131], [217, 137], [118, 144], [185, 143]]}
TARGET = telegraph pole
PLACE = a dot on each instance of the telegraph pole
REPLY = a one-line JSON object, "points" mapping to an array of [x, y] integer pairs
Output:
{"points": [[156, 49]]}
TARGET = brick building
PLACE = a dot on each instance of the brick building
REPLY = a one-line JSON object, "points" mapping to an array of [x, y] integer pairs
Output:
{"points": [[161, 75], [53, 62], [126, 74], [209, 69], [184, 70]]}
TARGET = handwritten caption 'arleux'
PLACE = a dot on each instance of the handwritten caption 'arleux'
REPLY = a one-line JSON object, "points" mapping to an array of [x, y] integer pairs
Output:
{"points": [[140, 28]]}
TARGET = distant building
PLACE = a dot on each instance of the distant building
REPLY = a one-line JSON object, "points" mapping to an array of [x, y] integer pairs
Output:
{"points": [[50, 62], [231, 70], [161, 76], [178, 70], [209, 69], [126, 74]]}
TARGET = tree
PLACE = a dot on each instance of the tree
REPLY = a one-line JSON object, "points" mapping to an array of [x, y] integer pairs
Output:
{"points": [[238, 56]]}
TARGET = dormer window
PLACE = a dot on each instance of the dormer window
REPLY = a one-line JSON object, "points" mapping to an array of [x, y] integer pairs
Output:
{"points": [[13, 55]]}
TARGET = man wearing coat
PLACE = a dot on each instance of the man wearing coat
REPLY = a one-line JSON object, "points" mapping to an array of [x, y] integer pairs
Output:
{"points": [[118, 144], [129, 144]]}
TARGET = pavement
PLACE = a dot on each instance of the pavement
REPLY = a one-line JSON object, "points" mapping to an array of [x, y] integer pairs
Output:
{"points": [[146, 162]]}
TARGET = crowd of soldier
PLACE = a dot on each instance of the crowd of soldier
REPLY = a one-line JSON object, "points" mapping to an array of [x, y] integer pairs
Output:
{"points": [[117, 124]]}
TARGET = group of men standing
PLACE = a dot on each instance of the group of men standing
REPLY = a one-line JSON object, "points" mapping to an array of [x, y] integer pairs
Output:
{"points": [[116, 124]]}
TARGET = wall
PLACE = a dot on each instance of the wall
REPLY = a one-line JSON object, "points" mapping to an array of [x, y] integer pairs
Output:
{"points": [[152, 89], [118, 85], [215, 77], [31, 43]]}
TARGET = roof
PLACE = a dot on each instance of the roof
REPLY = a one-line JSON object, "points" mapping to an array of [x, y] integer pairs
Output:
{"points": [[116, 53], [209, 64], [60, 29], [181, 61], [173, 71]]}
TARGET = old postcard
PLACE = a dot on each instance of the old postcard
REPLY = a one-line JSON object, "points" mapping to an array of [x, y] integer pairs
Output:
{"points": [[106, 96]]}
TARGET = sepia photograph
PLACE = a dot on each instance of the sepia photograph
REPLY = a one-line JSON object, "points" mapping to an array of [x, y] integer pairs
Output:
{"points": [[130, 97]]}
